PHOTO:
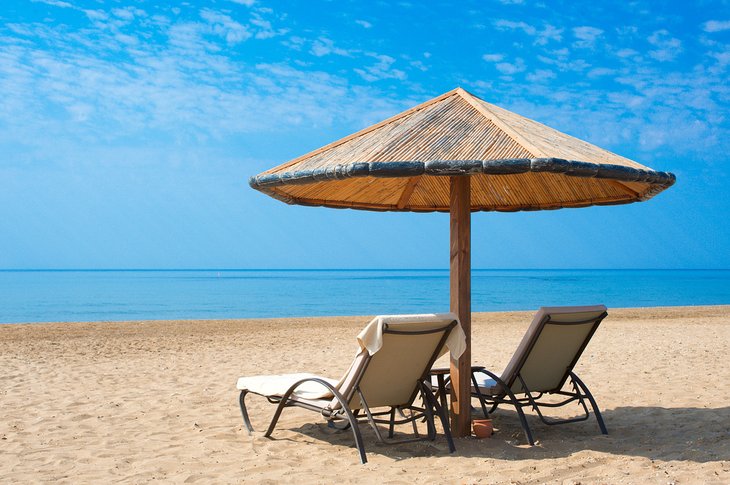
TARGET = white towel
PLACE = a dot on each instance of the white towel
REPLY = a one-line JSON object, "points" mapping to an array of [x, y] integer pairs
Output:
{"points": [[371, 337]]}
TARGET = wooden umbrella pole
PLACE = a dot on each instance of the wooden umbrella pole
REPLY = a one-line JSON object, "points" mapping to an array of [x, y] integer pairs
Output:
{"points": [[460, 278]]}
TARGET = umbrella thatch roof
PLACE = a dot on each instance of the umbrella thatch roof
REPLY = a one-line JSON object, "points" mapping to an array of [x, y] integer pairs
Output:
{"points": [[404, 164]]}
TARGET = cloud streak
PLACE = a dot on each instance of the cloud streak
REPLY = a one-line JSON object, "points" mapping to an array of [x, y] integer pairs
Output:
{"points": [[586, 36], [192, 75], [667, 48], [716, 25], [103, 83]]}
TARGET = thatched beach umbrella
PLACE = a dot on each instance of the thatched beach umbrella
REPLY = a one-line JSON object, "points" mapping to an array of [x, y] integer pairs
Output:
{"points": [[458, 154]]}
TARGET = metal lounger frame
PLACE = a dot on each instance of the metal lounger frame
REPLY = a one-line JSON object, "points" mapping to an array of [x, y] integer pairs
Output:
{"points": [[352, 419], [579, 393]]}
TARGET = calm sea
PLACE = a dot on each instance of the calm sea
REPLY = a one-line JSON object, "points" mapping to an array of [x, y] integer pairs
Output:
{"points": [[44, 296]]}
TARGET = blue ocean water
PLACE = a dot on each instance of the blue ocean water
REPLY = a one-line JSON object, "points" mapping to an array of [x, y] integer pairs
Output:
{"points": [[105, 295]]}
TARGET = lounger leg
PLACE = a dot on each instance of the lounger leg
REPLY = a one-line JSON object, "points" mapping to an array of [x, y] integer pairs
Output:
{"points": [[523, 421], [479, 396], [520, 413], [442, 391], [343, 404], [428, 410], [355, 433], [482, 398], [513, 400], [358, 437], [369, 415], [275, 419], [429, 425], [442, 416], [391, 426], [244, 413], [588, 394]]}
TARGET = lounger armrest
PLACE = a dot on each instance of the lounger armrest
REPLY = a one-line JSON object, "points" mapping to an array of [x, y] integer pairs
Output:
{"points": [[488, 373], [320, 381], [500, 384]]}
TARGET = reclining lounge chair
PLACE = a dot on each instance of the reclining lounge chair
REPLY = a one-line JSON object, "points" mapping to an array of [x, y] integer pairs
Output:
{"points": [[542, 364], [389, 372]]}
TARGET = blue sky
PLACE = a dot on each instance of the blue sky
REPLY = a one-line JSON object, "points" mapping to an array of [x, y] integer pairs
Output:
{"points": [[128, 130]]}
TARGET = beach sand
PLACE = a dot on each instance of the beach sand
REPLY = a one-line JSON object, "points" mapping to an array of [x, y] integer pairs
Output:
{"points": [[156, 401]]}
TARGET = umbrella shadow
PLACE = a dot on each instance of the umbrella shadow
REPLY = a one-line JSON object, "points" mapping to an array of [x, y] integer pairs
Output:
{"points": [[684, 434], [398, 451]]}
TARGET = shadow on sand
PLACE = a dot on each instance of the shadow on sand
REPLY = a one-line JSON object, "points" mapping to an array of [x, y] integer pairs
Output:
{"points": [[687, 434]]}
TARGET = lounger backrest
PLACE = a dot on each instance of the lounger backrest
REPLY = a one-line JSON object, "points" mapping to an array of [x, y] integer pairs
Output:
{"points": [[551, 347], [390, 376]]}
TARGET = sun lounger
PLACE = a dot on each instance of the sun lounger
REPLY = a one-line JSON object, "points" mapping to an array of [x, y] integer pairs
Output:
{"points": [[387, 375], [542, 364]]}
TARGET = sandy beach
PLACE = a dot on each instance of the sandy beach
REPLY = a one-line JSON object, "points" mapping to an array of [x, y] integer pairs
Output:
{"points": [[156, 401]]}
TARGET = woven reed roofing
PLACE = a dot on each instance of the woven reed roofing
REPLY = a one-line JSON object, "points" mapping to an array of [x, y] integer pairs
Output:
{"points": [[404, 164]]}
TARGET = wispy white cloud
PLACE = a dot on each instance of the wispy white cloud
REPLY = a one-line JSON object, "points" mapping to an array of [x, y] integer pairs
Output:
{"points": [[493, 57], [364, 24], [586, 36], [660, 112], [264, 29], [510, 68], [632, 101], [503, 24], [562, 60], [55, 3], [667, 47], [549, 33], [382, 69], [419, 65], [722, 58], [96, 15], [295, 42], [540, 75], [324, 47], [128, 13], [179, 84], [716, 25], [624, 53], [542, 36], [504, 67], [224, 26], [601, 71], [189, 76]]}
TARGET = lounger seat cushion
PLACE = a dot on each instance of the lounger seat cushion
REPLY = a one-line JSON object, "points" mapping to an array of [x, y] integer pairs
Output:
{"points": [[277, 385]]}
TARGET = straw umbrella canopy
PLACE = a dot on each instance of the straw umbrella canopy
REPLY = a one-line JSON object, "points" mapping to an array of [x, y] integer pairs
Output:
{"points": [[457, 153]]}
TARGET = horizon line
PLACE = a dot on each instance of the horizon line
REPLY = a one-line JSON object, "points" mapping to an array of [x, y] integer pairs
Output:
{"points": [[9, 270]]}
